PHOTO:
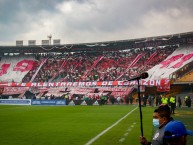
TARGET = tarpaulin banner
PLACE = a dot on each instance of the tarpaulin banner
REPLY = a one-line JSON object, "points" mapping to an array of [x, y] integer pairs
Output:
{"points": [[163, 88], [162, 82], [116, 89], [14, 90], [119, 93]]}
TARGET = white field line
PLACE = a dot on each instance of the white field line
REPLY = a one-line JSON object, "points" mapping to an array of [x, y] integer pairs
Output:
{"points": [[104, 131]]}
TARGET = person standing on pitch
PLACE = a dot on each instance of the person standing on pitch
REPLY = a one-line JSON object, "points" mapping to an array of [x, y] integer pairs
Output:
{"points": [[164, 100], [179, 102], [172, 104], [163, 118]]}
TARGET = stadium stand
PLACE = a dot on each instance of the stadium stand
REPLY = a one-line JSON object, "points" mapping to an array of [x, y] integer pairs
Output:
{"points": [[164, 57], [186, 78], [119, 65]]}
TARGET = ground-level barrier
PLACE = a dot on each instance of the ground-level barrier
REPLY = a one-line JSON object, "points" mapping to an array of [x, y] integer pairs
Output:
{"points": [[37, 102]]}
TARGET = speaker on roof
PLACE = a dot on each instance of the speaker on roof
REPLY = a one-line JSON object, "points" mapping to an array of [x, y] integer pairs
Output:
{"points": [[56, 42], [19, 42], [31, 42], [45, 42]]}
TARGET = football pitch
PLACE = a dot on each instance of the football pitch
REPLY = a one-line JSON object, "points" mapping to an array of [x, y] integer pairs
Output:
{"points": [[79, 125]]}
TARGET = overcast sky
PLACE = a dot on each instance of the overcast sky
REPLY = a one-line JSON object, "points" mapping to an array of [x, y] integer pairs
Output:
{"points": [[84, 21]]}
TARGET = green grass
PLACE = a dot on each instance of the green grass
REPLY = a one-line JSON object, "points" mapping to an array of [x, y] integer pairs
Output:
{"points": [[76, 125], [129, 129]]}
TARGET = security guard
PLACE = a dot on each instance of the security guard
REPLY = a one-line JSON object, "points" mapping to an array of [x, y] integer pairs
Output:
{"points": [[164, 100], [172, 104]]}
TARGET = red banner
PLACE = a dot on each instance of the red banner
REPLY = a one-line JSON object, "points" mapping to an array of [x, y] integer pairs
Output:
{"points": [[120, 93], [1, 90], [14, 90], [116, 89], [163, 88]]}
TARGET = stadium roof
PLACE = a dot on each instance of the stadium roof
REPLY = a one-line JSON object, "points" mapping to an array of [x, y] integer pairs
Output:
{"points": [[173, 39]]}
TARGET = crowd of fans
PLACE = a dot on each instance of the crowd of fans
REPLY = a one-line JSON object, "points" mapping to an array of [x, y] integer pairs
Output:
{"points": [[95, 66]]}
